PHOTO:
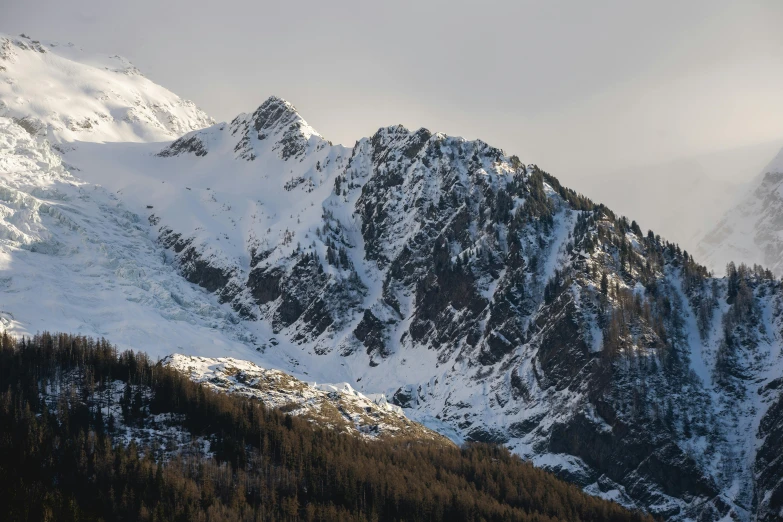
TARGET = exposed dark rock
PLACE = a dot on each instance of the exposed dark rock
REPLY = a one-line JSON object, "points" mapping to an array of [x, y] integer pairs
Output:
{"points": [[629, 456], [768, 467], [186, 144], [487, 436], [522, 428], [274, 112], [264, 284], [519, 390], [497, 346], [194, 267], [405, 397], [370, 332], [563, 353]]}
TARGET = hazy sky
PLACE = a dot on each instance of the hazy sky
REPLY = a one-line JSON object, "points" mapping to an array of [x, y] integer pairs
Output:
{"points": [[577, 87]]}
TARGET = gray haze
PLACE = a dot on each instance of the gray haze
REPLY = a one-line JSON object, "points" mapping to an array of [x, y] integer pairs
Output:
{"points": [[590, 91]]}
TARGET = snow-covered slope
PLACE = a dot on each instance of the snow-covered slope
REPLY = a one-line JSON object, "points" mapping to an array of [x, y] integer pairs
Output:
{"points": [[475, 291], [751, 232], [74, 258], [227, 194], [72, 95]]}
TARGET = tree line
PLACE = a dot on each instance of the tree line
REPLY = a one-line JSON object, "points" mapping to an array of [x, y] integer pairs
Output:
{"points": [[60, 458]]}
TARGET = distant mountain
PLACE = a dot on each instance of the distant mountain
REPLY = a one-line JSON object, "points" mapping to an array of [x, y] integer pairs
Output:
{"points": [[71, 95], [481, 296], [680, 199], [752, 231]]}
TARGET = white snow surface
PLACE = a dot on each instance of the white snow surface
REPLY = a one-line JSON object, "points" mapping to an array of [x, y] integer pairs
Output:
{"points": [[72, 95], [752, 231], [74, 258]]}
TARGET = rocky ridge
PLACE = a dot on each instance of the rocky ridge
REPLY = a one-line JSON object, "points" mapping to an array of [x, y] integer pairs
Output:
{"points": [[334, 406]]}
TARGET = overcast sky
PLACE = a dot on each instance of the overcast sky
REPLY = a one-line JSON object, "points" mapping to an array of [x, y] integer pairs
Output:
{"points": [[577, 87]]}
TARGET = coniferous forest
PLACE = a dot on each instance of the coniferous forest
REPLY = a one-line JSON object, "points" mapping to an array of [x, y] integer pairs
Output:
{"points": [[62, 456]]}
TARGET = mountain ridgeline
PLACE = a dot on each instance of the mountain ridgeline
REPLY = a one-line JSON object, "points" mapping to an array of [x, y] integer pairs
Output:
{"points": [[549, 324]]}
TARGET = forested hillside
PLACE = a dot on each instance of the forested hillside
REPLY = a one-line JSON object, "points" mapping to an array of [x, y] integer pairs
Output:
{"points": [[81, 431]]}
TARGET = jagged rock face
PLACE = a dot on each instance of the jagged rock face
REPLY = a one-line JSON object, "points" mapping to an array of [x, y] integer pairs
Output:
{"points": [[768, 467], [281, 281], [275, 122], [753, 230], [275, 119], [413, 238], [527, 315]]}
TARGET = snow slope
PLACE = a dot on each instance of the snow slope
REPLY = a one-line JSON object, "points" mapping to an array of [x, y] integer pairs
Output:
{"points": [[71, 95], [752, 231], [74, 258]]}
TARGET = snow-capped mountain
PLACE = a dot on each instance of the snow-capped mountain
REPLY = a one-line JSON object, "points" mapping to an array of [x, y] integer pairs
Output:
{"points": [[489, 299], [71, 95], [752, 231], [490, 302]]}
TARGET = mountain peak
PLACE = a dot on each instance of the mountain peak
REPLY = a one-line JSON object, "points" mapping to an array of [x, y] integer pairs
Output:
{"points": [[275, 111], [276, 121], [275, 125]]}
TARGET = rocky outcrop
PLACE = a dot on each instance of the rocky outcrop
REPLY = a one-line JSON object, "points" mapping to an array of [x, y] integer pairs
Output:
{"points": [[768, 466], [334, 406]]}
